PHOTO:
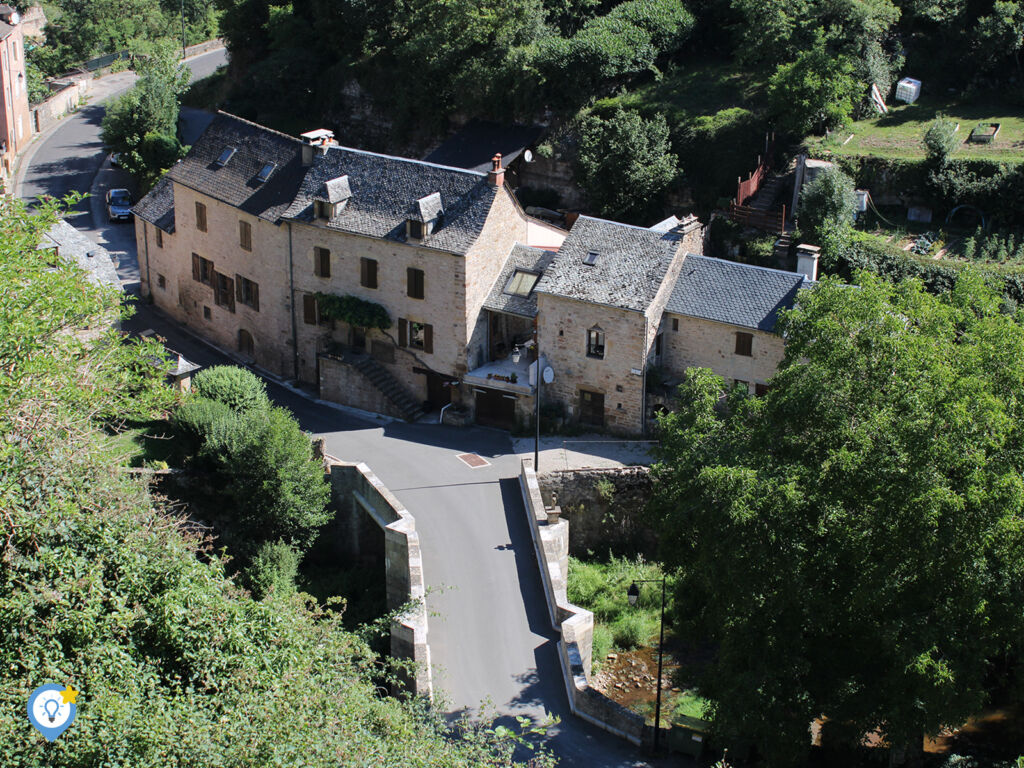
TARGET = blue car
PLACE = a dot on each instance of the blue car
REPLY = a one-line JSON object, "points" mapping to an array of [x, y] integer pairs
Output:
{"points": [[119, 205]]}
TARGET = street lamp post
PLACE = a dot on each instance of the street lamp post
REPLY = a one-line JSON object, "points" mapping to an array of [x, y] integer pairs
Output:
{"points": [[633, 594], [184, 49]]}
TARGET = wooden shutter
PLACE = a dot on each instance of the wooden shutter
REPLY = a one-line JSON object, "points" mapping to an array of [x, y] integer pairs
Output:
{"points": [[415, 282], [231, 293], [255, 287], [238, 289], [744, 344], [159, 237], [200, 217], [309, 309], [428, 338], [373, 273], [245, 235], [196, 273], [403, 332]]}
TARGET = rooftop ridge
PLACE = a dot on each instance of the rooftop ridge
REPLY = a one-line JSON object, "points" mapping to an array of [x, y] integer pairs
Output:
{"points": [[466, 171], [222, 113], [623, 224], [748, 266]]}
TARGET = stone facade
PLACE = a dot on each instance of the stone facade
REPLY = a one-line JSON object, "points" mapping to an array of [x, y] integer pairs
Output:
{"points": [[342, 383], [690, 342]]}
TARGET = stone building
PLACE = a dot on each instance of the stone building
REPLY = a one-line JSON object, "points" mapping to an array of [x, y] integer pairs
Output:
{"points": [[15, 117], [285, 250]]}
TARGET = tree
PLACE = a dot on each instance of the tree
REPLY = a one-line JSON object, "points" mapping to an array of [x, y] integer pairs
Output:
{"points": [[826, 208], [624, 162], [241, 390], [816, 92], [142, 123], [1000, 35], [940, 140], [852, 544]]}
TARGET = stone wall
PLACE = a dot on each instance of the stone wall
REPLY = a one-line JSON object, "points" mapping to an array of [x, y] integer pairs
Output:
{"points": [[548, 173], [356, 491], [341, 383], [68, 95], [575, 625], [604, 508]]}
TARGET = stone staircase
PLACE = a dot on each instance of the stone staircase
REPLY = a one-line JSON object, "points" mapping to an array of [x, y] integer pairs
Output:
{"points": [[766, 196], [388, 385]]}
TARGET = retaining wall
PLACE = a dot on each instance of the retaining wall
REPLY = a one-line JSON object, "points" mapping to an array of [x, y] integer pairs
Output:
{"points": [[356, 491], [574, 624], [71, 92]]}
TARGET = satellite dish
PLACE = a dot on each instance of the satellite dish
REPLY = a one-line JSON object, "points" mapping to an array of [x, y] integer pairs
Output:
{"points": [[548, 375], [528, 156]]}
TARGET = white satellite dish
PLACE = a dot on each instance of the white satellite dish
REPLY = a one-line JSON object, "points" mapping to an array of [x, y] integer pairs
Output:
{"points": [[548, 375], [528, 156]]}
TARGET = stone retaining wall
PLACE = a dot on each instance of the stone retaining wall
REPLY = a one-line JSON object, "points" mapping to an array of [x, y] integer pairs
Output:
{"points": [[357, 491], [574, 624], [71, 92]]}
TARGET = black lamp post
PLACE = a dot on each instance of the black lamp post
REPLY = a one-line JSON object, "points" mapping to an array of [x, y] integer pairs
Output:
{"points": [[633, 594]]}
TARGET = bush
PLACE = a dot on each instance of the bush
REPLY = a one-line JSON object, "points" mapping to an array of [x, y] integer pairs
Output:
{"points": [[940, 140], [632, 630], [239, 389], [827, 205], [198, 418], [273, 570]]}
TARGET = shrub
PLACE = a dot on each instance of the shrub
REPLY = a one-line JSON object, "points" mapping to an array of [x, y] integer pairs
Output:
{"points": [[827, 205], [196, 419], [631, 630], [236, 387], [940, 140], [273, 570]]}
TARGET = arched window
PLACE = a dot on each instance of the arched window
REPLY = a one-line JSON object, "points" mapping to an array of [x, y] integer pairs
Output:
{"points": [[246, 345]]}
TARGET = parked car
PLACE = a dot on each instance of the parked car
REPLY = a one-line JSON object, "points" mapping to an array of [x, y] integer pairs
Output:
{"points": [[115, 159], [119, 205]]}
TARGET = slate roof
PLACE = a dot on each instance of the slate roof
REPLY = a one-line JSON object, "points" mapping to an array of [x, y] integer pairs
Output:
{"points": [[158, 206], [630, 267], [75, 247], [474, 145], [334, 191], [385, 190], [528, 259], [737, 294], [235, 183], [428, 208]]}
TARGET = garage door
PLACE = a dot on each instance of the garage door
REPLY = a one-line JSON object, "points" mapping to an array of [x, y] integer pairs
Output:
{"points": [[495, 408]]}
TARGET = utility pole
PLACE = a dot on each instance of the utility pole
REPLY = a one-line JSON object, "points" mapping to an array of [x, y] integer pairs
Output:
{"points": [[183, 29]]}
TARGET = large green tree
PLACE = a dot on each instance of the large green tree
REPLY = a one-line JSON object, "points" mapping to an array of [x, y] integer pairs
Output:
{"points": [[852, 544]]}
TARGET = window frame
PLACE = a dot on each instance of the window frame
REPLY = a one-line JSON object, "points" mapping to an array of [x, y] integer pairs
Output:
{"points": [[201, 223], [744, 344], [245, 235], [224, 291], [518, 274], [415, 282], [248, 292], [321, 261], [597, 343], [368, 268]]}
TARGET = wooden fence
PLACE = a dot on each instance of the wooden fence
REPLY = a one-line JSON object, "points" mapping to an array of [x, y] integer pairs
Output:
{"points": [[769, 221]]}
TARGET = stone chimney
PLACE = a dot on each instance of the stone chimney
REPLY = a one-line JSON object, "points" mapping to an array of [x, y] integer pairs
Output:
{"points": [[807, 260], [496, 176], [314, 142]]}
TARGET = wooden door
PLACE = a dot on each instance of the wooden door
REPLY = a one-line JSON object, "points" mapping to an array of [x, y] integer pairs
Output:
{"points": [[591, 408]]}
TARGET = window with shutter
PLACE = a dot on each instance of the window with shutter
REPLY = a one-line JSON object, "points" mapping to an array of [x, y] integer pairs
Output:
{"points": [[321, 262], [403, 332], [159, 237], [245, 235], [744, 344], [414, 278], [224, 292], [200, 217], [368, 272], [196, 268], [309, 309], [421, 336], [247, 292]]}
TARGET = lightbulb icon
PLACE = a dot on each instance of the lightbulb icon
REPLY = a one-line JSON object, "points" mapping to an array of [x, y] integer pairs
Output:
{"points": [[51, 707]]}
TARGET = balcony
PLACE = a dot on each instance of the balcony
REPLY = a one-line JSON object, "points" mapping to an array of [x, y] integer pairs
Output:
{"points": [[504, 374]]}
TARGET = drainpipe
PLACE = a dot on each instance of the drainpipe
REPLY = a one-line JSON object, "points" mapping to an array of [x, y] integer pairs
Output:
{"points": [[643, 384], [291, 301], [145, 252]]}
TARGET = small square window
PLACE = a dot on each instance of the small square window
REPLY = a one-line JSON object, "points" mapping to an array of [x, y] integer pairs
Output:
{"points": [[226, 155], [245, 235], [159, 238], [206, 313], [161, 281], [321, 262], [591, 258], [415, 229], [265, 172], [368, 272], [744, 344], [415, 283], [675, 323], [200, 217]]}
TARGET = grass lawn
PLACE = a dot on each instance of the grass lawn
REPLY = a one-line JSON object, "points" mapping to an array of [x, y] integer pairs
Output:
{"points": [[899, 133], [144, 444], [688, 91]]}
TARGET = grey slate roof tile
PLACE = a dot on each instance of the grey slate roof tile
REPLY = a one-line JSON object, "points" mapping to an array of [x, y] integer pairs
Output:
{"points": [[334, 190], [737, 294], [158, 206], [78, 249], [235, 183], [428, 208], [476, 143], [631, 264], [527, 259], [385, 190]]}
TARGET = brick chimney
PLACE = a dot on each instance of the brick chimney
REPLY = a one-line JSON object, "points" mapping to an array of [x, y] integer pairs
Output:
{"points": [[496, 176]]}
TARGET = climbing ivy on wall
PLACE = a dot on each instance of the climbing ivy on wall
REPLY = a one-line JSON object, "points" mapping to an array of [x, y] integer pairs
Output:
{"points": [[353, 310]]}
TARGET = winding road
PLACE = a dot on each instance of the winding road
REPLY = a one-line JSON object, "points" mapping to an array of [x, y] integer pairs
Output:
{"points": [[491, 642]]}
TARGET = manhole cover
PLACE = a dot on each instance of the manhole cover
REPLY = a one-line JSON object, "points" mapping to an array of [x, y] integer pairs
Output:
{"points": [[472, 460]]}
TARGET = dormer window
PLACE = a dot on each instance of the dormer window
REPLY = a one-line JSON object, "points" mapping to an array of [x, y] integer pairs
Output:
{"points": [[332, 197], [225, 156], [591, 258], [426, 217]]}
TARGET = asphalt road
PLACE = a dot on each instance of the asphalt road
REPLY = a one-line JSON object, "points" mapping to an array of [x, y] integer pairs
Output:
{"points": [[491, 643]]}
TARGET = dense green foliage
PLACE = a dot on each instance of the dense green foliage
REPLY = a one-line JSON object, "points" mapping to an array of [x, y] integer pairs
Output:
{"points": [[83, 29], [941, 140], [353, 310], [273, 570], [102, 586], [142, 124], [241, 390], [826, 207], [815, 92], [853, 543], [624, 162]]}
